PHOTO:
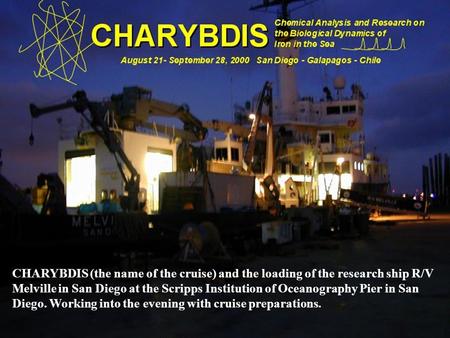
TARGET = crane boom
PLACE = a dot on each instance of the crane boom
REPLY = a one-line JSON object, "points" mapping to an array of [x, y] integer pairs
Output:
{"points": [[182, 112], [264, 98], [137, 103]]}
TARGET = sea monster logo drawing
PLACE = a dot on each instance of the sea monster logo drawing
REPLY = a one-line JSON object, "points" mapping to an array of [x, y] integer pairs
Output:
{"points": [[58, 39]]}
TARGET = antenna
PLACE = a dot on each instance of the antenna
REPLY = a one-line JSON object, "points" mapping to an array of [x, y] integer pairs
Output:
{"points": [[283, 4]]}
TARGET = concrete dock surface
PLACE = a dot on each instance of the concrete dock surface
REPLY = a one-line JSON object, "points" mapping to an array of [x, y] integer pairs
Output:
{"points": [[411, 243]]}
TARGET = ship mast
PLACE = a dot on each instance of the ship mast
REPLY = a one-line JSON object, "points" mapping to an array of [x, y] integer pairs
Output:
{"points": [[287, 81]]}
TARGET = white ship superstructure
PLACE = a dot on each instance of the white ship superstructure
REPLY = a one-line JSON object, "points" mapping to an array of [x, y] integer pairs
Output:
{"points": [[319, 144]]}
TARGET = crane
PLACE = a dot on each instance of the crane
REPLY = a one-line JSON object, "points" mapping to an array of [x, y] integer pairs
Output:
{"points": [[272, 194], [137, 105], [97, 111], [133, 107], [264, 98]]}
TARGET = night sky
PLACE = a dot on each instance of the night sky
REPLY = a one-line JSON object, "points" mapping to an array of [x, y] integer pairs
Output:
{"points": [[408, 96]]}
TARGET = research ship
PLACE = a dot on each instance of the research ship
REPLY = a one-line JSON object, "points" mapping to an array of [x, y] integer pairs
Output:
{"points": [[305, 149], [127, 181]]}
